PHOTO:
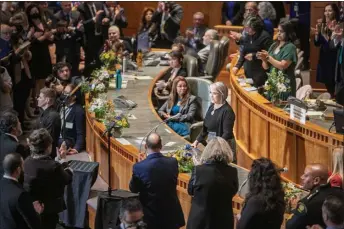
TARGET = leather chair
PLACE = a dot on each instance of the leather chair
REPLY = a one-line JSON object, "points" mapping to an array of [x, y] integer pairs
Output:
{"points": [[191, 65], [224, 46], [200, 88]]}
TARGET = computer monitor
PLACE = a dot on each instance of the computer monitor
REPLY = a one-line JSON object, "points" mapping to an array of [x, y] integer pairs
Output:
{"points": [[339, 120]]}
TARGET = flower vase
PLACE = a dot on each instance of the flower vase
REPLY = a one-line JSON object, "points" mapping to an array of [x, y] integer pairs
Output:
{"points": [[276, 101], [117, 132]]}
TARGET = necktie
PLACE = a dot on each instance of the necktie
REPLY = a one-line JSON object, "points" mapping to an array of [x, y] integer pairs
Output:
{"points": [[341, 55]]}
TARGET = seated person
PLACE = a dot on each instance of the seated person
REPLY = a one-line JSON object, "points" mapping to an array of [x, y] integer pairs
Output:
{"points": [[178, 47], [74, 133], [114, 35], [180, 102], [194, 35], [203, 54], [176, 69]]}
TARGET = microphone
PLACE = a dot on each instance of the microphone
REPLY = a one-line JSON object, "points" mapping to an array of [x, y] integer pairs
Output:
{"points": [[282, 170]]}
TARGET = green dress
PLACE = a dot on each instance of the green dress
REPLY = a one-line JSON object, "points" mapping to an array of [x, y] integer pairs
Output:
{"points": [[287, 52]]}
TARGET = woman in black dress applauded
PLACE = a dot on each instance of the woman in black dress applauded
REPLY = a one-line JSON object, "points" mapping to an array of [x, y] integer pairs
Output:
{"points": [[264, 203], [219, 119], [213, 184]]}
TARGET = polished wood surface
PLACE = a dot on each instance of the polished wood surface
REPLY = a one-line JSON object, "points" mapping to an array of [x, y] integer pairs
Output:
{"points": [[263, 130]]}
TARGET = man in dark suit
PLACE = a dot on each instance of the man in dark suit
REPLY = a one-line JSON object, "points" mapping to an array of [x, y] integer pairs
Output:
{"points": [[73, 131], [233, 13], [155, 179], [10, 129], [194, 34], [131, 214], [17, 210], [50, 118], [69, 36], [167, 18], [94, 18]]}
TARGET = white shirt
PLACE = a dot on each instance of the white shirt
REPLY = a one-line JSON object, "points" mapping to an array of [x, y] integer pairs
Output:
{"points": [[15, 137], [10, 178]]}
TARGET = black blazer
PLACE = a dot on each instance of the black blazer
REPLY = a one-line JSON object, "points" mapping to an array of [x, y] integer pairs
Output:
{"points": [[172, 24], [16, 208], [76, 128], [9, 145], [212, 186], [254, 216], [339, 75], [50, 120], [253, 44], [45, 180], [199, 35], [238, 12], [155, 178]]}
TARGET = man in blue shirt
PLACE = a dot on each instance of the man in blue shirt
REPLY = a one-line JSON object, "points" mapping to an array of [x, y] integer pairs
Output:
{"points": [[5, 36]]}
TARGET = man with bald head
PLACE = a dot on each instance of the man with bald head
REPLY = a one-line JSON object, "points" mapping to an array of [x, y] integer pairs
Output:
{"points": [[194, 34], [308, 210], [155, 179]]}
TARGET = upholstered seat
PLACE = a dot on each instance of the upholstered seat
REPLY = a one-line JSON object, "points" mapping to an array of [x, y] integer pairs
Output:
{"points": [[191, 65], [200, 88]]}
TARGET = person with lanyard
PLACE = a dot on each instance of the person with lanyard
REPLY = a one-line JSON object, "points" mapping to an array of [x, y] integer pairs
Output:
{"points": [[219, 119], [308, 209]]}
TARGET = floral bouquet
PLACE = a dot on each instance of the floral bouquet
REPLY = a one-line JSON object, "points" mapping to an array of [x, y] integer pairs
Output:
{"points": [[291, 195], [184, 158], [99, 83], [101, 108], [119, 121], [276, 85], [110, 59]]}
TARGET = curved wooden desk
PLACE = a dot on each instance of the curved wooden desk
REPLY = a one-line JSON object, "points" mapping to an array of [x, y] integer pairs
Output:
{"points": [[263, 130]]}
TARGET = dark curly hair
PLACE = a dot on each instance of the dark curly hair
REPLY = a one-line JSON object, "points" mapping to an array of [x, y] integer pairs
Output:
{"points": [[255, 22], [8, 121], [39, 141], [265, 183]]}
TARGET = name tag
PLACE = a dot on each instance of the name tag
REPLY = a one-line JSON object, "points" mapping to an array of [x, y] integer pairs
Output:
{"points": [[69, 125]]}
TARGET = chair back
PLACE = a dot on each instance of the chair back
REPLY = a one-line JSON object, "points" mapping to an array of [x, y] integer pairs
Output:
{"points": [[304, 92], [191, 65], [211, 67], [224, 46], [200, 88]]}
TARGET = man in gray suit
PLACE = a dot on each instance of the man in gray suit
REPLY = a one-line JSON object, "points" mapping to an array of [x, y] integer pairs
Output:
{"points": [[194, 35]]}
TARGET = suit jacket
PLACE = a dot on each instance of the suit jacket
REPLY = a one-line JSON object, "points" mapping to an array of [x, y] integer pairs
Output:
{"points": [[50, 120], [9, 144], [212, 186], [188, 111], [45, 180], [198, 38], [155, 178], [167, 77], [75, 127], [16, 208], [172, 24], [237, 12]]}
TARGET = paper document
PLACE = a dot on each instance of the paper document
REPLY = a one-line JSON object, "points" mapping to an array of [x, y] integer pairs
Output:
{"points": [[123, 141], [250, 88], [170, 144], [131, 116], [143, 77], [167, 130]]}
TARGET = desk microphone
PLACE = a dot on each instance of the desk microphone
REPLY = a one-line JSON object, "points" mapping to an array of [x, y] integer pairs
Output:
{"points": [[155, 127], [282, 170]]}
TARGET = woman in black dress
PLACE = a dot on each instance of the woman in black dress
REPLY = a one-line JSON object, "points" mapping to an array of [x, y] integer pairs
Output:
{"points": [[44, 178], [213, 185], [264, 203], [40, 38], [219, 119]]}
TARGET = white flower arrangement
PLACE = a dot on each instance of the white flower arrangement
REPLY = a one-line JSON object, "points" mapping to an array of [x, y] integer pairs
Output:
{"points": [[276, 84]]}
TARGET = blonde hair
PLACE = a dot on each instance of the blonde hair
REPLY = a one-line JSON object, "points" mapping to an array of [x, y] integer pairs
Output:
{"points": [[217, 150], [338, 164], [113, 27], [221, 88]]}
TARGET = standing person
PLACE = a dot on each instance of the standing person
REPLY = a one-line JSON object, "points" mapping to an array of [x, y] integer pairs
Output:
{"points": [[308, 210], [212, 186], [155, 179], [264, 203], [167, 18], [255, 40], [41, 38], [219, 119], [233, 13], [17, 209], [327, 58], [282, 55], [10, 130], [49, 118], [268, 14], [5, 90], [117, 18], [44, 178]]}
